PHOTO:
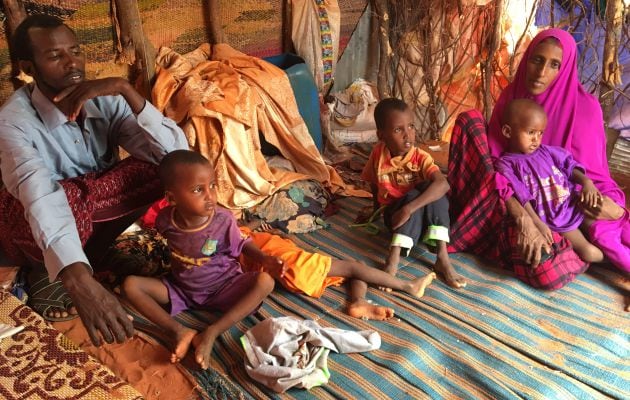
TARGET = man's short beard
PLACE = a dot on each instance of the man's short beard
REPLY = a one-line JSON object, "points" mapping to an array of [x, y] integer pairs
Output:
{"points": [[44, 86]]}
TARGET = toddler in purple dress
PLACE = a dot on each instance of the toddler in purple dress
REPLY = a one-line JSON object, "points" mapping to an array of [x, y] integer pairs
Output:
{"points": [[205, 243], [544, 178]]}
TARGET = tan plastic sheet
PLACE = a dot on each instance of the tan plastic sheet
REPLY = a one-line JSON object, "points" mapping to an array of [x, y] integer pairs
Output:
{"points": [[222, 98]]}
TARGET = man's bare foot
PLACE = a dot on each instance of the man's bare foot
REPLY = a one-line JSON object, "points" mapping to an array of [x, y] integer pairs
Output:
{"points": [[417, 286], [43, 294], [55, 312], [444, 267], [362, 309], [203, 343], [181, 343]]}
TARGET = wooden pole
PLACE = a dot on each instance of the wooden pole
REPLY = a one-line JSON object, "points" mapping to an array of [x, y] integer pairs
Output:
{"points": [[611, 72], [373, 46], [213, 22], [287, 27], [382, 81], [15, 13], [493, 44], [134, 48], [427, 34]]}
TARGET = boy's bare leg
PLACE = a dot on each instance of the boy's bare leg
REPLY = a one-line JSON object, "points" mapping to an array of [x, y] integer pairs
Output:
{"points": [[358, 307], [391, 264], [393, 258], [204, 341], [149, 295], [587, 251], [444, 267], [357, 270]]}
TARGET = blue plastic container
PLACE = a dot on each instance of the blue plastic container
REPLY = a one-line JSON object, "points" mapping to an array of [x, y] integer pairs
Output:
{"points": [[304, 90]]}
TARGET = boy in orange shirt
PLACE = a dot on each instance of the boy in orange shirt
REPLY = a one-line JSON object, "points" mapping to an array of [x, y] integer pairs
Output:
{"points": [[405, 179]]}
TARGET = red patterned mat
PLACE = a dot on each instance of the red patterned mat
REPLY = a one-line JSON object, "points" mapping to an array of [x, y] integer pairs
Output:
{"points": [[41, 363]]}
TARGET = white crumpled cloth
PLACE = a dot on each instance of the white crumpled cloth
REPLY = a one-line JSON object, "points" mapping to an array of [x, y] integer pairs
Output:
{"points": [[285, 352]]}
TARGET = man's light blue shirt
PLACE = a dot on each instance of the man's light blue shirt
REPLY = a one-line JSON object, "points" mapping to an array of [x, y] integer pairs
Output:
{"points": [[40, 146]]}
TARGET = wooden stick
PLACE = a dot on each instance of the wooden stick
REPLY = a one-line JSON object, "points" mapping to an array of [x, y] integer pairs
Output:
{"points": [[372, 53], [429, 58], [15, 13], [493, 45], [611, 72], [133, 47], [287, 27], [215, 32], [381, 9]]}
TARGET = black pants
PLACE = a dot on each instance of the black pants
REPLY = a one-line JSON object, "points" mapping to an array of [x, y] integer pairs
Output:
{"points": [[433, 214]]}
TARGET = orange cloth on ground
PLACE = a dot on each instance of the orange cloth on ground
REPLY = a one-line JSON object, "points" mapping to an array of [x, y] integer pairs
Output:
{"points": [[222, 99], [306, 272], [395, 176]]}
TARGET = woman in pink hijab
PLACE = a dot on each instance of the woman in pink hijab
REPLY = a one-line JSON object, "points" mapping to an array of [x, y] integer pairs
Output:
{"points": [[488, 220]]}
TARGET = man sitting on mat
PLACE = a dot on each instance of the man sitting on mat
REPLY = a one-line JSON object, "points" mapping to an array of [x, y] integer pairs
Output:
{"points": [[59, 159]]}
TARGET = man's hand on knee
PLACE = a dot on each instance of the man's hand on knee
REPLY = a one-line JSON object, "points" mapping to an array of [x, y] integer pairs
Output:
{"points": [[101, 313]]}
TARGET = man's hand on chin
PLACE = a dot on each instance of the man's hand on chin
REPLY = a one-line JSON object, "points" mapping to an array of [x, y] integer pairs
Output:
{"points": [[101, 313], [71, 99]]}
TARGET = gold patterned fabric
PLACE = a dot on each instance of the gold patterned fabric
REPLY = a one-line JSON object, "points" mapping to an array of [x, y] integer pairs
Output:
{"points": [[222, 99], [40, 363]]}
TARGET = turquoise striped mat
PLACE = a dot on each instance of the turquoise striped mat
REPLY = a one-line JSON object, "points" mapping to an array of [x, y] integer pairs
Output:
{"points": [[497, 338]]}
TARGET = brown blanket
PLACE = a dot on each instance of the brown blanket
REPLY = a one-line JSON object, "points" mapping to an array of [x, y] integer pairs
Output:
{"points": [[222, 98]]}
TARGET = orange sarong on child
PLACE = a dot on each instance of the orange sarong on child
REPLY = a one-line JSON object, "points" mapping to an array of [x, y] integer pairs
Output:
{"points": [[306, 273]]}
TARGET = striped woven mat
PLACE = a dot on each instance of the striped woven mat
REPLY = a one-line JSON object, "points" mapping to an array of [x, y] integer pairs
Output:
{"points": [[497, 338]]}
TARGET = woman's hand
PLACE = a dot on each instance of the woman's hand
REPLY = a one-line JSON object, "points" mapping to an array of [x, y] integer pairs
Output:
{"points": [[530, 240], [604, 209]]}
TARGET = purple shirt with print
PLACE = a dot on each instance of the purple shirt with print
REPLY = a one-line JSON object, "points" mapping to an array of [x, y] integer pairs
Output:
{"points": [[543, 178], [205, 259]]}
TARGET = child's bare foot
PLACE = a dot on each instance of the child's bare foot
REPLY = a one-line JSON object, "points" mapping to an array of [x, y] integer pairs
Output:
{"points": [[203, 343], [417, 286], [444, 267], [183, 339], [362, 309]]}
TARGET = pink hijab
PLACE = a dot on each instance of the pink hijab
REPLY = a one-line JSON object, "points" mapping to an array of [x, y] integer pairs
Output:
{"points": [[575, 120]]}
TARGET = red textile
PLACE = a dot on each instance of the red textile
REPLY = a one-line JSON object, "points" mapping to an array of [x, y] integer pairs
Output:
{"points": [[93, 197], [479, 220], [148, 219]]}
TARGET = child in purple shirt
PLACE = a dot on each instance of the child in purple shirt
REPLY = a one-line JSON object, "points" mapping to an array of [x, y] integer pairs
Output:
{"points": [[205, 243], [544, 177]]}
